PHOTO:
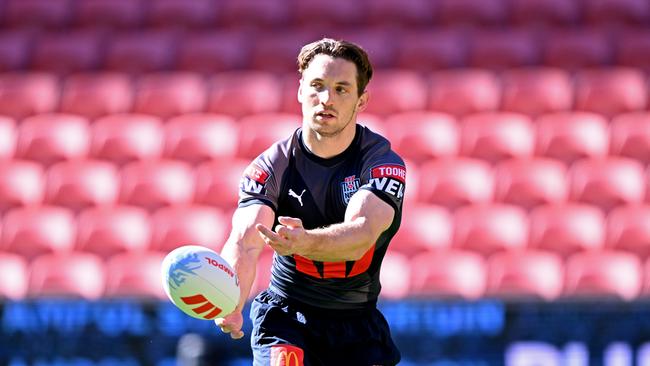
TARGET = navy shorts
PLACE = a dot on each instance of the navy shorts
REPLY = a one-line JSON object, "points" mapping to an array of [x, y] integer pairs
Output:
{"points": [[291, 334]]}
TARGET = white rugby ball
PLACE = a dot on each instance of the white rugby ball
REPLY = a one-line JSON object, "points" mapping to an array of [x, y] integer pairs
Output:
{"points": [[199, 282]]}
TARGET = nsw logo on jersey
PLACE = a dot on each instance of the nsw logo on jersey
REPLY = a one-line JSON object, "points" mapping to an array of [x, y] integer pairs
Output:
{"points": [[349, 186], [389, 178], [253, 180]]}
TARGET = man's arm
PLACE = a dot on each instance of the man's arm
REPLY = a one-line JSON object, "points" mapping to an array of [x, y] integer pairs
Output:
{"points": [[366, 217]]}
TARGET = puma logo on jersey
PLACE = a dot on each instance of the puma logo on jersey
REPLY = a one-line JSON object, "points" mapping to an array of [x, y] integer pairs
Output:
{"points": [[294, 195]]}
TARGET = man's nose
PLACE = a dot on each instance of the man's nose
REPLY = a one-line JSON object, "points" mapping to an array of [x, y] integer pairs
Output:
{"points": [[324, 97]]}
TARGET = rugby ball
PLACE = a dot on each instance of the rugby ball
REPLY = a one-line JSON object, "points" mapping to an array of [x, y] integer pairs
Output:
{"points": [[199, 282]]}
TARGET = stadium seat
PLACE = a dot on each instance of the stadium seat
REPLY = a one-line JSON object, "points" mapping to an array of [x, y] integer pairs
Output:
{"points": [[497, 136], [633, 48], [328, 14], [395, 91], [567, 228], [26, 94], [529, 274], [454, 182], [110, 230], [608, 182], [199, 137], [95, 95], [628, 229], [470, 12], [420, 136], [645, 290], [410, 13], [266, 14], [544, 12], [630, 136], [80, 184], [153, 184], [214, 51], [380, 43], [142, 51], [617, 12], [36, 230], [502, 49], [122, 138], [601, 274], [135, 275], [217, 182], [425, 228], [51, 138], [8, 137], [13, 277], [490, 228], [167, 95], [427, 50], [182, 13], [290, 82], [258, 132], [536, 90], [243, 93], [569, 136], [278, 51], [448, 274], [373, 122], [464, 91], [71, 275], [22, 183], [110, 13], [531, 182], [189, 225], [395, 276], [15, 49], [611, 91], [573, 49], [37, 13], [68, 51]]}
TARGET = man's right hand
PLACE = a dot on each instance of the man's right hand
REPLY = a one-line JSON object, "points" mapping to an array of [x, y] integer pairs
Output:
{"points": [[232, 324]]}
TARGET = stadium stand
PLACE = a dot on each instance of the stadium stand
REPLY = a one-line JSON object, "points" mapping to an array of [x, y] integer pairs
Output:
{"points": [[531, 182], [628, 229], [182, 13], [13, 276], [611, 91], [536, 90], [428, 228], [544, 13], [214, 51], [570, 136], [26, 94], [395, 276], [431, 49], [111, 14], [217, 182], [630, 136], [38, 13], [448, 274], [575, 49], [135, 275], [95, 95], [464, 91], [22, 183], [8, 137], [123, 138], [395, 91], [51, 138], [196, 138], [188, 225], [153, 184], [420, 136], [71, 275], [503, 49], [142, 51], [243, 93], [170, 94], [603, 274], [70, 51], [497, 136], [262, 130], [15, 49]]}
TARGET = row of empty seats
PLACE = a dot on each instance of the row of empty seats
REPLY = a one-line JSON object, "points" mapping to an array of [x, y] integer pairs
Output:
{"points": [[202, 13]]}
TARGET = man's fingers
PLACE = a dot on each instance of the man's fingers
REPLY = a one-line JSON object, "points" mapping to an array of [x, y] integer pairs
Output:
{"points": [[236, 334], [266, 233], [291, 222]]}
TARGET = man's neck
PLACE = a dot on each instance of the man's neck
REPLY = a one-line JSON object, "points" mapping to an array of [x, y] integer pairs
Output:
{"points": [[328, 146]]}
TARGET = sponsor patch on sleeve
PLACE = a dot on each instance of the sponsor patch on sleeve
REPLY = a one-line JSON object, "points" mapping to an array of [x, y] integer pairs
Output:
{"points": [[253, 180], [389, 178], [389, 171]]}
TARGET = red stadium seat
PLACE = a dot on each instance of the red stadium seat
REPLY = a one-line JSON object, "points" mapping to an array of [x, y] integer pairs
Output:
{"points": [[503, 49], [544, 12], [406, 13], [109, 230], [189, 225], [123, 138], [217, 182], [13, 277], [607, 182], [70, 51], [596, 274], [572, 135], [50, 138], [633, 48], [153, 184], [470, 12], [182, 13], [425, 228], [242, 93], [135, 275], [263, 14], [420, 136], [380, 43], [572, 49], [531, 182], [15, 49], [611, 91], [630, 136], [75, 275], [628, 228], [395, 276], [216, 51], [525, 274], [169, 94], [95, 95], [110, 13], [645, 291], [8, 137], [23, 95], [537, 90], [395, 91], [199, 137], [32, 231], [22, 183], [278, 51], [38, 13], [82, 183], [426, 50], [607, 12], [497, 136], [260, 131], [455, 274], [142, 51], [487, 229], [567, 228], [328, 13], [454, 182], [290, 82], [462, 92], [373, 122]]}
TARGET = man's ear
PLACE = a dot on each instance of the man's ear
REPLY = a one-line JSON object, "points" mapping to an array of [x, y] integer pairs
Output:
{"points": [[362, 103], [299, 95]]}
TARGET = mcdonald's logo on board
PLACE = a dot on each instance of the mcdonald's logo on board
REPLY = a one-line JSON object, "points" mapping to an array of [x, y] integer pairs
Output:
{"points": [[286, 355]]}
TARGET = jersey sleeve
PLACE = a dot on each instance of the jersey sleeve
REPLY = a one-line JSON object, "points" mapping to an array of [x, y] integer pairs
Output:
{"points": [[385, 176], [259, 183]]}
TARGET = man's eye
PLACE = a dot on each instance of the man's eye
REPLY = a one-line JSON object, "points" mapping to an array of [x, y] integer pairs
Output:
{"points": [[341, 90]]}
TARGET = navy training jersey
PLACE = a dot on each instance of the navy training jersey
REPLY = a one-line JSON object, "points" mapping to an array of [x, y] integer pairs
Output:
{"points": [[294, 182]]}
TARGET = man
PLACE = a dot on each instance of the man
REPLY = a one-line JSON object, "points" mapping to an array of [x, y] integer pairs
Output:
{"points": [[327, 200]]}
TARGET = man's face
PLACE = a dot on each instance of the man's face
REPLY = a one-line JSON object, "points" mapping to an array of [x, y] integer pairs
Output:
{"points": [[329, 95]]}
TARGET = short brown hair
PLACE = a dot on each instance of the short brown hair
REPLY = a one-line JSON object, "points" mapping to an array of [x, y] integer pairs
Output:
{"points": [[343, 49]]}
